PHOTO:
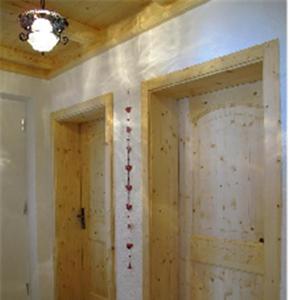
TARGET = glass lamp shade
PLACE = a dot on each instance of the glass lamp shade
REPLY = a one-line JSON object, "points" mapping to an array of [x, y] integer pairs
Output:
{"points": [[42, 37]]}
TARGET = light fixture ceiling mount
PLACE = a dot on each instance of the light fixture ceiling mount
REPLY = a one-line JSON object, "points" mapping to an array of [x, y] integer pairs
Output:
{"points": [[43, 28]]}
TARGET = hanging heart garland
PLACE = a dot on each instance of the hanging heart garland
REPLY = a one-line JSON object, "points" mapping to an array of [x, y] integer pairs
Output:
{"points": [[129, 186]]}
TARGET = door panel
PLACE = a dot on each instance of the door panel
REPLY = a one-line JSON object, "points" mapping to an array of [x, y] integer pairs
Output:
{"points": [[224, 134], [14, 272]]}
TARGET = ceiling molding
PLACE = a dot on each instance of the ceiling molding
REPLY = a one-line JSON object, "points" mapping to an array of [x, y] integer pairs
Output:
{"points": [[163, 2], [80, 33], [23, 69], [25, 58]]}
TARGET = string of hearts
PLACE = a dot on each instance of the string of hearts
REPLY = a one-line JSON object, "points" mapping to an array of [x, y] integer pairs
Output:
{"points": [[128, 186]]}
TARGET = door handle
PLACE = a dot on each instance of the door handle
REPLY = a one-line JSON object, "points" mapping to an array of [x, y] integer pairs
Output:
{"points": [[81, 217]]}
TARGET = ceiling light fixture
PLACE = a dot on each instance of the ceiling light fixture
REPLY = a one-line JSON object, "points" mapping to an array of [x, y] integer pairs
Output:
{"points": [[43, 28]]}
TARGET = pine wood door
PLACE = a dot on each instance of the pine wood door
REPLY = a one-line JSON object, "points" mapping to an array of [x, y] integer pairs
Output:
{"points": [[222, 202], [94, 272], [83, 184], [67, 202]]}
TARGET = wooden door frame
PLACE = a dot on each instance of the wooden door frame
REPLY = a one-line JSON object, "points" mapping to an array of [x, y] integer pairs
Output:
{"points": [[79, 113], [267, 55]]}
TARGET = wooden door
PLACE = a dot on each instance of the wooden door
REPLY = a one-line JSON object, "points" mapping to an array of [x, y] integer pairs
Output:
{"points": [[222, 187], [94, 275], [83, 181], [68, 189]]}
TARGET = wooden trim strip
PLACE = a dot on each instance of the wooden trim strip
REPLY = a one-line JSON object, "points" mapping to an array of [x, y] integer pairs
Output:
{"points": [[272, 172], [84, 111], [10, 66], [232, 61]]}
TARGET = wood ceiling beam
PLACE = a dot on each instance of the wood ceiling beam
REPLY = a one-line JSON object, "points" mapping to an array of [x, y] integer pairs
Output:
{"points": [[76, 31], [81, 33], [163, 2], [151, 16], [22, 69], [25, 58]]}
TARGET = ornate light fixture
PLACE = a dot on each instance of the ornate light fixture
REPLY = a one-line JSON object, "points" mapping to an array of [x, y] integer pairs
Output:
{"points": [[43, 28]]}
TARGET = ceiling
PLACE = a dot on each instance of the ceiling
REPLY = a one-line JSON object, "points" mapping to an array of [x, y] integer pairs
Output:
{"points": [[94, 26]]}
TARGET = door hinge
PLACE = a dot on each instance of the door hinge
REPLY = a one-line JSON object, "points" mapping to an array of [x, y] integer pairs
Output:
{"points": [[82, 258], [25, 208], [81, 217], [27, 286], [22, 124]]}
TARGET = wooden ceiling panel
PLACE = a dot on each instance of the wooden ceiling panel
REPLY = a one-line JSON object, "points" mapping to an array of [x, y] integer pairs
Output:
{"points": [[94, 26], [98, 14]]}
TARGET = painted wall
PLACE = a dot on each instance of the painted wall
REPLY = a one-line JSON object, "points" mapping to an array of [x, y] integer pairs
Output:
{"points": [[32, 91], [214, 29]]}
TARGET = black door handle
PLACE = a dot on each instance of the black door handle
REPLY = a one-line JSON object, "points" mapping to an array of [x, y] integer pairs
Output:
{"points": [[81, 217]]}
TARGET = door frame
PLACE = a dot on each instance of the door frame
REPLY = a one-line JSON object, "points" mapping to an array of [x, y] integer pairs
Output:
{"points": [[79, 113], [267, 56]]}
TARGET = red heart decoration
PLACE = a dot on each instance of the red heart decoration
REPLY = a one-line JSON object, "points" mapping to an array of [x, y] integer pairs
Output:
{"points": [[129, 168], [129, 187], [129, 129], [128, 109], [130, 266], [129, 206], [130, 246]]}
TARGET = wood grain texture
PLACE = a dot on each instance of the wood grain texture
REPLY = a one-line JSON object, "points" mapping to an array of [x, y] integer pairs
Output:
{"points": [[222, 283], [164, 225], [15, 55], [163, 2], [227, 141], [92, 141], [10, 66], [67, 203], [234, 254], [273, 171], [185, 199], [215, 82]]}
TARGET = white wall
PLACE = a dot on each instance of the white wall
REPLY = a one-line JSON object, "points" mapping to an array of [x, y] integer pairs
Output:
{"points": [[214, 29], [33, 91]]}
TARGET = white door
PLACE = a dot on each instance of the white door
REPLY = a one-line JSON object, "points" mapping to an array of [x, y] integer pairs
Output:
{"points": [[14, 263]]}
